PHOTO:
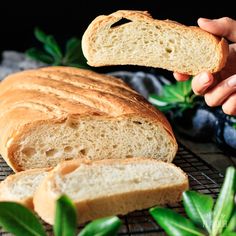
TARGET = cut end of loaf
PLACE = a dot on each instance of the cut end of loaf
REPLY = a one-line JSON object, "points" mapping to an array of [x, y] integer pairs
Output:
{"points": [[58, 113], [48, 144], [147, 42], [111, 187], [20, 187]]}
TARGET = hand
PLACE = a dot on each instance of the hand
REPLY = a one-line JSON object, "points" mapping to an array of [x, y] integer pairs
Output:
{"points": [[220, 88]]}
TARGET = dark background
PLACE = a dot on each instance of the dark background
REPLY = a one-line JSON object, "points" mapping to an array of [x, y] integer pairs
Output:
{"points": [[70, 18], [65, 19]]}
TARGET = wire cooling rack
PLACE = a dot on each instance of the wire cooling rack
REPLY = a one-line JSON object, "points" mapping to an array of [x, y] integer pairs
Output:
{"points": [[202, 177]]}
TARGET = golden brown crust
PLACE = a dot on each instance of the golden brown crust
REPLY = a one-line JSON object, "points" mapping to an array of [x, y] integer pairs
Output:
{"points": [[105, 22], [223, 52], [46, 195], [54, 94]]}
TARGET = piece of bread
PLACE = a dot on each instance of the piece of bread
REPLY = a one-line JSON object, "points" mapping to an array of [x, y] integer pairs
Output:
{"points": [[57, 113], [110, 187], [146, 41], [20, 187]]}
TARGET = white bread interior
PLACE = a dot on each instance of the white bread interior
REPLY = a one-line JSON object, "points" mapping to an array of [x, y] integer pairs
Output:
{"points": [[110, 187], [145, 41], [20, 187]]}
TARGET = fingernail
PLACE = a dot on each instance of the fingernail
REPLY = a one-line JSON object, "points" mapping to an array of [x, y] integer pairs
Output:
{"points": [[232, 81], [203, 78]]}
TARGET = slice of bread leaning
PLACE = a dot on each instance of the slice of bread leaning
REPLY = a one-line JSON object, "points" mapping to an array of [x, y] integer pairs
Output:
{"points": [[145, 41], [110, 187], [53, 114], [20, 187]]}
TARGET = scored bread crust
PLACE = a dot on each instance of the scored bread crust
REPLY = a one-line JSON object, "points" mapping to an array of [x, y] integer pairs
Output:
{"points": [[7, 185], [116, 204], [58, 95], [102, 25]]}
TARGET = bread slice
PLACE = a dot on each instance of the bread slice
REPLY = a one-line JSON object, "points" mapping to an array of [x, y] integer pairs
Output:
{"points": [[20, 187], [146, 41], [110, 187], [58, 113]]}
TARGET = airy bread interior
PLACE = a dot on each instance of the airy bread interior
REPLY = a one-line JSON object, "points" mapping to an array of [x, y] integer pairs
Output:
{"points": [[107, 179], [21, 186], [48, 144], [144, 41]]}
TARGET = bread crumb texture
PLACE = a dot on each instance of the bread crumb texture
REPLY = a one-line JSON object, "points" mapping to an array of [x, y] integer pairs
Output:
{"points": [[142, 40], [59, 113]]}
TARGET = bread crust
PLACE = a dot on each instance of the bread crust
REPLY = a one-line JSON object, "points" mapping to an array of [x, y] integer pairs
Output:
{"points": [[120, 204], [53, 95], [104, 23], [223, 54]]}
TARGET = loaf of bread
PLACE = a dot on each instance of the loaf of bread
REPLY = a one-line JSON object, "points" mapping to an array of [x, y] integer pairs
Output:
{"points": [[53, 114], [110, 187], [20, 187], [145, 41]]}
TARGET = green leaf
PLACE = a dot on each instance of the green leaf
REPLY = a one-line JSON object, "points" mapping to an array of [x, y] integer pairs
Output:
{"points": [[184, 87], [161, 101], [40, 35], [74, 54], [19, 220], [39, 55], [225, 202], [232, 222], [229, 233], [73, 47], [102, 227], [199, 208], [53, 54], [173, 223], [51, 46], [167, 103], [171, 91], [65, 219], [234, 125], [178, 95]]}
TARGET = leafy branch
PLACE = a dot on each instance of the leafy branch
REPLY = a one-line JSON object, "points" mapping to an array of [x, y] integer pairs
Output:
{"points": [[177, 95], [19, 220], [204, 216], [52, 53]]}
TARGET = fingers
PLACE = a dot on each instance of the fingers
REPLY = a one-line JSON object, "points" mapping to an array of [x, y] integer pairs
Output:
{"points": [[225, 27], [221, 92], [180, 77], [202, 82], [229, 106]]}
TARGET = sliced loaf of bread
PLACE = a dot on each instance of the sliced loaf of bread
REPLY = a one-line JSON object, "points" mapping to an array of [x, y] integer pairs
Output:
{"points": [[145, 41], [20, 187], [110, 187], [53, 114]]}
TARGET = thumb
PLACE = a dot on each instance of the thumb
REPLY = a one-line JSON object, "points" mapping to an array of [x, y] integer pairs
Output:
{"points": [[223, 27]]}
